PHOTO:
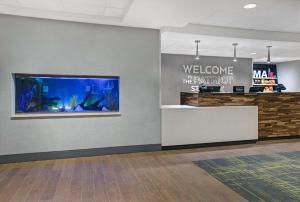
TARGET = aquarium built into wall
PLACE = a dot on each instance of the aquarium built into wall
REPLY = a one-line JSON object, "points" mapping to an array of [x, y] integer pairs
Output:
{"points": [[66, 95]]}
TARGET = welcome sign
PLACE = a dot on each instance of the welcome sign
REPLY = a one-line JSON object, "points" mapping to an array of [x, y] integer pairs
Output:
{"points": [[195, 75]]}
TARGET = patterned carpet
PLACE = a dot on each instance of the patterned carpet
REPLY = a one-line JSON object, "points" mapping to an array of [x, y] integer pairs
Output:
{"points": [[271, 178]]}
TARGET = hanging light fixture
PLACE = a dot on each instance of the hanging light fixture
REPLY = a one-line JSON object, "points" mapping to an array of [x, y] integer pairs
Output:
{"points": [[269, 54], [197, 50], [234, 52]]}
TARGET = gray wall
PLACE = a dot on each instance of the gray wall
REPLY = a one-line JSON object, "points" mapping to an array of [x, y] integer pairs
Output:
{"points": [[173, 74], [55, 47], [289, 75]]}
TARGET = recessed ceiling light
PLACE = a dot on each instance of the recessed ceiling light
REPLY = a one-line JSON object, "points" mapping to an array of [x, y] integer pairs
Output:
{"points": [[250, 6], [253, 53]]}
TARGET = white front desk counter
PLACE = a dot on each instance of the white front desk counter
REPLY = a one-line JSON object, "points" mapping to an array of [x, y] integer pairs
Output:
{"points": [[186, 125]]}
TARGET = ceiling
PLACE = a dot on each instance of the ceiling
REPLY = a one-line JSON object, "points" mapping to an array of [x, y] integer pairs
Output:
{"points": [[278, 15], [92, 11], [272, 15], [182, 43]]}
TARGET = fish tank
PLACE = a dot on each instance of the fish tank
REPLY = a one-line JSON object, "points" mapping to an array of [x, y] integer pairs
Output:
{"points": [[55, 94]]}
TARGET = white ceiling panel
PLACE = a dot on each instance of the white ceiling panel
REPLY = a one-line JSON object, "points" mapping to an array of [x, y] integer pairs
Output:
{"points": [[54, 5], [86, 2], [114, 12], [86, 9], [91, 11], [10, 2], [118, 3]]}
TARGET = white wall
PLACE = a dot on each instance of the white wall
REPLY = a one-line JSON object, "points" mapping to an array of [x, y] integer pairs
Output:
{"points": [[172, 74], [289, 75], [55, 47]]}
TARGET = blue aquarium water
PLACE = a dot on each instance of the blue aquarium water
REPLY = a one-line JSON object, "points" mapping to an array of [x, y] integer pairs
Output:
{"points": [[54, 94]]}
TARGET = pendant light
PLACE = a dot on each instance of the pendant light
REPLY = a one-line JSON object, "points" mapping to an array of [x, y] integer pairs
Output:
{"points": [[234, 52], [197, 50], [269, 54]]}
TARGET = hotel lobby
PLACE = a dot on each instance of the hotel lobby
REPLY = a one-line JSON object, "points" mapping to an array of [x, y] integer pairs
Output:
{"points": [[138, 100]]}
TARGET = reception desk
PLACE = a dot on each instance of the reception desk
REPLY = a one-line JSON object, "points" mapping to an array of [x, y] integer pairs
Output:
{"points": [[185, 126], [278, 113]]}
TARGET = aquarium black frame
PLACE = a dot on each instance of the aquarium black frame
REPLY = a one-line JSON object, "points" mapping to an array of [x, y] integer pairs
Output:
{"points": [[37, 115]]}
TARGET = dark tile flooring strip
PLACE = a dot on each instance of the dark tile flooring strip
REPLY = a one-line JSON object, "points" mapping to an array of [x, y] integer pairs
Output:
{"points": [[218, 144], [15, 158]]}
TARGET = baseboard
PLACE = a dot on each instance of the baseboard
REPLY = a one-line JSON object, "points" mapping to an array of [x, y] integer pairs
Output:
{"points": [[17, 158], [280, 138], [217, 144]]}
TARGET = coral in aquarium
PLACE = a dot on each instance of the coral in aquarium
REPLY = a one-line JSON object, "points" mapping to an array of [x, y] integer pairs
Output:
{"points": [[28, 94], [47, 94], [73, 102], [111, 102]]}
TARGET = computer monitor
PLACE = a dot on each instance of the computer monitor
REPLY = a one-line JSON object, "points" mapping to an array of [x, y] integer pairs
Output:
{"points": [[256, 89], [209, 89], [238, 89], [280, 87]]}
